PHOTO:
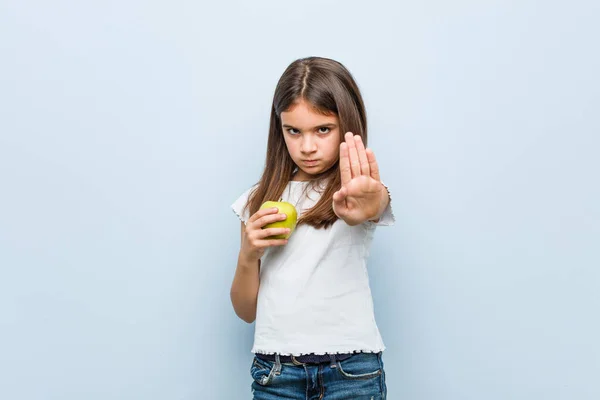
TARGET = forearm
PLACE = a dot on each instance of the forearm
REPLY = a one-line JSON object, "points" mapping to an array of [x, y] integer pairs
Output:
{"points": [[244, 289]]}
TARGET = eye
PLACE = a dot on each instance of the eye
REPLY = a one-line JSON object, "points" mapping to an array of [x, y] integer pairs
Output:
{"points": [[324, 129], [293, 131]]}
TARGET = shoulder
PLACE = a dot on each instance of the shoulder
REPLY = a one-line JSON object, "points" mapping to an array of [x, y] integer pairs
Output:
{"points": [[239, 205]]}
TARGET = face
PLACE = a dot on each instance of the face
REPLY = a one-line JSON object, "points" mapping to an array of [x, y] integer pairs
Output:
{"points": [[312, 139]]}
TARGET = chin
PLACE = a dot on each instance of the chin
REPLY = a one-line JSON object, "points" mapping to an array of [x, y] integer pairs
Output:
{"points": [[314, 173]]}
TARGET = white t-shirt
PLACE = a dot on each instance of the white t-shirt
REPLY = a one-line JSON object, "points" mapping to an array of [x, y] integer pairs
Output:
{"points": [[314, 294]]}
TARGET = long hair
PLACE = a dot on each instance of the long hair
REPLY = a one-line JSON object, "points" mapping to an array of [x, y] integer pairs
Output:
{"points": [[330, 88]]}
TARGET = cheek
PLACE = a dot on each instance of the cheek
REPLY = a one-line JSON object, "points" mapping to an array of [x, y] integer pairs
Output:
{"points": [[333, 146], [290, 145]]}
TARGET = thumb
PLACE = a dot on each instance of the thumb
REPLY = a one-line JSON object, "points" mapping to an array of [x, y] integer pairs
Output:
{"points": [[340, 195]]}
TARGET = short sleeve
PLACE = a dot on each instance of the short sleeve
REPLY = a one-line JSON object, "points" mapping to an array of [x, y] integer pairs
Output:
{"points": [[239, 205], [387, 218]]}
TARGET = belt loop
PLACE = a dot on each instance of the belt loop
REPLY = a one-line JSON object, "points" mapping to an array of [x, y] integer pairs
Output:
{"points": [[333, 362], [294, 361], [277, 369]]}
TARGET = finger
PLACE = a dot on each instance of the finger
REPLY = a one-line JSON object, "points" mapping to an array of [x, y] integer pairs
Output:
{"points": [[353, 154], [261, 213], [373, 165], [268, 232], [275, 242], [345, 172], [267, 219], [362, 156], [338, 207], [340, 195]]}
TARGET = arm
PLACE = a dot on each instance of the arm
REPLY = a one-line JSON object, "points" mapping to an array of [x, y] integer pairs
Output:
{"points": [[254, 241], [244, 289]]}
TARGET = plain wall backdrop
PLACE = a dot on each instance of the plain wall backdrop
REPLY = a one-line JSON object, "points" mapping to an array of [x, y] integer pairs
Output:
{"points": [[127, 128]]}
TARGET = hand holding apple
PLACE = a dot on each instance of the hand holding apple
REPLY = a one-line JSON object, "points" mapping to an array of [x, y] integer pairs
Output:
{"points": [[270, 226], [291, 217]]}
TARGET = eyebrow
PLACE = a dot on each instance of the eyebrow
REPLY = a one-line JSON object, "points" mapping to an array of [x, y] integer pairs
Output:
{"points": [[328, 125]]}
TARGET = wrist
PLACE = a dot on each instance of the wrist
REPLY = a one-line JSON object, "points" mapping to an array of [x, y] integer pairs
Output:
{"points": [[383, 202], [247, 261]]}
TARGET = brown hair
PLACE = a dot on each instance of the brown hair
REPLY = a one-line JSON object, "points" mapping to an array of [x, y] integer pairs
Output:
{"points": [[330, 88]]}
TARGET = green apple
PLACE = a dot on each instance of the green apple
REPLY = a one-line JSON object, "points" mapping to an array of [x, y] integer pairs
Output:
{"points": [[290, 222]]}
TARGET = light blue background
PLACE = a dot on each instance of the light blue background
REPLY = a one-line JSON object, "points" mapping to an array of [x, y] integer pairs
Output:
{"points": [[127, 128]]}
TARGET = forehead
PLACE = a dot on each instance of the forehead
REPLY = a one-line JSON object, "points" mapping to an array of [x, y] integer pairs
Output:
{"points": [[304, 115]]}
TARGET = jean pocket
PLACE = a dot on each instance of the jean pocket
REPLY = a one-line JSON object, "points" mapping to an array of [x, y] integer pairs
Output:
{"points": [[360, 366], [262, 371]]}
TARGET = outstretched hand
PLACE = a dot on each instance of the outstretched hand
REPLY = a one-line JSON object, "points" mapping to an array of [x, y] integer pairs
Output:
{"points": [[362, 196]]}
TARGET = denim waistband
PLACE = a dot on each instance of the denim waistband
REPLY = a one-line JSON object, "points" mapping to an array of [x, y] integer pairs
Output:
{"points": [[306, 358]]}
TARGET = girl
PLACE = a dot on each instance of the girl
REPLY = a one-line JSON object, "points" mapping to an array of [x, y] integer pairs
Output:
{"points": [[315, 334]]}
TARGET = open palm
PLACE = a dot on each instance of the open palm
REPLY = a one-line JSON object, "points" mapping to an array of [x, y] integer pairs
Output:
{"points": [[359, 199]]}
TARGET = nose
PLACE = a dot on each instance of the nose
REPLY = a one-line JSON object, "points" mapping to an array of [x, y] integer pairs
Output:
{"points": [[309, 144]]}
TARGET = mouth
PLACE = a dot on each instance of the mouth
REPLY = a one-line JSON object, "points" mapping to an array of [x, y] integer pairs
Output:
{"points": [[310, 162]]}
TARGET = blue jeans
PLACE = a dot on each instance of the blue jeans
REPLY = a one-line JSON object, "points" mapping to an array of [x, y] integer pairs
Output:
{"points": [[360, 377]]}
